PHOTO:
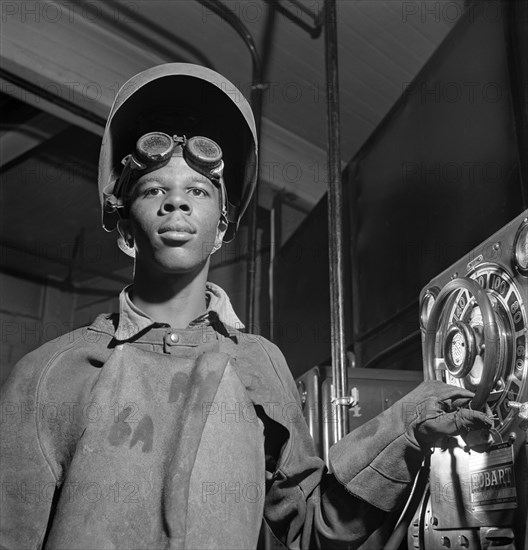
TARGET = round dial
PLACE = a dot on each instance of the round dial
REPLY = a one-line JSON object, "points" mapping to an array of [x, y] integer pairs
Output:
{"points": [[464, 347], [458, 349], [521, 249]]}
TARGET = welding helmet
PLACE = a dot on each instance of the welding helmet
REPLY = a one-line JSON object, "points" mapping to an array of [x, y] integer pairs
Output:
{"points": [[186, 106]]}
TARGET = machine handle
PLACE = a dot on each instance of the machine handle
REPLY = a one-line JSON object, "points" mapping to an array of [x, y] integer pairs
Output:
{"points": [[491, 336]]}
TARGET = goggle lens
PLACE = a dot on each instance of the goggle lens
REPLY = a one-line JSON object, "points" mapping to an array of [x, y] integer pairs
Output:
{"points": [[154, 147], [204, 152]]}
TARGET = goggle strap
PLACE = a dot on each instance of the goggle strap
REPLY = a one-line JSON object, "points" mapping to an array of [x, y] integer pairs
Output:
{"points": [[135, 164], [218, 172], [122, 181], [231, 213], [111, 202]]}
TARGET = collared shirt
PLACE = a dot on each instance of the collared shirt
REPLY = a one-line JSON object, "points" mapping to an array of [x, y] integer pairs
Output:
{"points": [[132, 320]]}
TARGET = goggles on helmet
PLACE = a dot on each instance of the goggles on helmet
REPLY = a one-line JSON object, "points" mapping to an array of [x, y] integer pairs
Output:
{"points": [[154, 150]]}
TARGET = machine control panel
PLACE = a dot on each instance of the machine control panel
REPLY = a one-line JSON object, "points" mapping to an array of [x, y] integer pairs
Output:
{"points": [[474, 326]]}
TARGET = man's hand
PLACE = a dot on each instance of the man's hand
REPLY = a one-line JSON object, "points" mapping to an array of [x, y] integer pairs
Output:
{"points": [[434, 409]]}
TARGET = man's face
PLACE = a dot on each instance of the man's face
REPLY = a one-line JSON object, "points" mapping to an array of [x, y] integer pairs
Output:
{"points": [[174, 217]]}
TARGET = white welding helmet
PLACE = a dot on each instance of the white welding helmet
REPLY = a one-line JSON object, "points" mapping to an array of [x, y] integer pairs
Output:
{"points": [[185, 100]]}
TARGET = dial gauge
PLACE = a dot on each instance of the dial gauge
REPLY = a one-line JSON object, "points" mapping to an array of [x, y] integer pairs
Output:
{"points": [[521, 249], [463, 341]]}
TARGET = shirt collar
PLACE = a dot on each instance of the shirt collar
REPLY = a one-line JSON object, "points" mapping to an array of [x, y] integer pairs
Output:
{"points": [[133, 320]]}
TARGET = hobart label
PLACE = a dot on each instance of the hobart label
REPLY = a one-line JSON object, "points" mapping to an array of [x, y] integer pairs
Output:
{"points": [[492, 479]]}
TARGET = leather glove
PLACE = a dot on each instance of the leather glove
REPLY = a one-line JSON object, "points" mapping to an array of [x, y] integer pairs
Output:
{"points": [[434, 409], [378, 461]]}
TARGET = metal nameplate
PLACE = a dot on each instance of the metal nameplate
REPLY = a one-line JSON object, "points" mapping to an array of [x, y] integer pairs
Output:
{"points": [[492, 479]]}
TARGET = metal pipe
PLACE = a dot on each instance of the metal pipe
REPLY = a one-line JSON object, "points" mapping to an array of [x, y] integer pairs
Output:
{"points": [[335, 225], [316, 17], [256, 101], [256, 104], [275, 244], [251, 269], [232, 19]]}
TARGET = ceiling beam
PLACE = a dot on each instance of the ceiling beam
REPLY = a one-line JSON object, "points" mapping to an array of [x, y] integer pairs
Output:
{"points": [[17, 140]]}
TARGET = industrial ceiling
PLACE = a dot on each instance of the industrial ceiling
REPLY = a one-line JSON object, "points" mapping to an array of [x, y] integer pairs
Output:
{"points": [[63, 62]]}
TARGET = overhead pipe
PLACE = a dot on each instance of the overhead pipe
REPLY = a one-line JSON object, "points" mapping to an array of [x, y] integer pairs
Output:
{"points": [[256, 104], [317, 18], [340, 398]]}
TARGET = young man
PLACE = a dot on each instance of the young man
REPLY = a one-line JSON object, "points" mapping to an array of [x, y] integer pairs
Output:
{"points": [[163, 426]]}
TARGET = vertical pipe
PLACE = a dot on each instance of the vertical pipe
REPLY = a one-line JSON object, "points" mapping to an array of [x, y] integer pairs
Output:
{"points": [[271, 273], [259, 72], [335, 222], [275, 244], [251, 271]]}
